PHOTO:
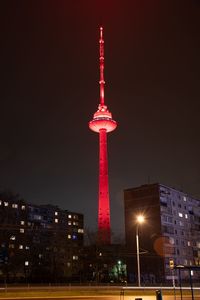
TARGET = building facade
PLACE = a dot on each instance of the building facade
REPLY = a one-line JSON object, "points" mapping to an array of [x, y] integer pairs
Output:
{"points": [[38, 243], [171, 232]]}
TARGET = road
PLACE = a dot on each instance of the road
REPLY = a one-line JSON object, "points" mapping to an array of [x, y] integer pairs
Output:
{"points": [[103, 297], [93, 293]]}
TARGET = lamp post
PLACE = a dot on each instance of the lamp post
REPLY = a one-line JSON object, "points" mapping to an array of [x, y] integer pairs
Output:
{"points": [[139, 220]]}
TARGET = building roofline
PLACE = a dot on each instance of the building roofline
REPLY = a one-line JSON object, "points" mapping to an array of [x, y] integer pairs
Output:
{"points": [[162, 185]]}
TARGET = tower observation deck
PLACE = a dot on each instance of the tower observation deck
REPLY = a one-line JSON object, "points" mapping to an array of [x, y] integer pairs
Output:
{"points": [[102, 123]]}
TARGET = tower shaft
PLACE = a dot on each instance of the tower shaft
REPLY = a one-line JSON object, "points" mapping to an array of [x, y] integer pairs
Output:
{"points": [[104, 202]]}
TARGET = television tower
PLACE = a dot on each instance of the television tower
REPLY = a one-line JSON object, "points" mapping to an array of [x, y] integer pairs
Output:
{"points": [[102, 123]]}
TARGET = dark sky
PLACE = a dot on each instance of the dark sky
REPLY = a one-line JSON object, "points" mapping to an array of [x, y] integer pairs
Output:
{"points": [[49, 92]]}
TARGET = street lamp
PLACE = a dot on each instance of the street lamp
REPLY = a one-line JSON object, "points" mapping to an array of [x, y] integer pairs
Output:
{"points": [[139, 220]]}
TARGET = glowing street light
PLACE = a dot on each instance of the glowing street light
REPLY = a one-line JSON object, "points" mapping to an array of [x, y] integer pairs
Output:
{"points": [[139, 220]]}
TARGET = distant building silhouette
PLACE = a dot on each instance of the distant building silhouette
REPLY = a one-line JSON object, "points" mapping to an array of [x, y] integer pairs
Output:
{"points": [[171, 232]]}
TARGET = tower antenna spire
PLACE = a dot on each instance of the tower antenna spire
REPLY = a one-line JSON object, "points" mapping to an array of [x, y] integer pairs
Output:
{"points": [[101, 65]]}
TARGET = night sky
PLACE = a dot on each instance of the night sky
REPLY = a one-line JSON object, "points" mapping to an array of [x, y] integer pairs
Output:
{"points": [[49, 92]]}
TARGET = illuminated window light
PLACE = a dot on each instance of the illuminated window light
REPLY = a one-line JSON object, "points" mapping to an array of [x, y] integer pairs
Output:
{"points": [[184, 198], [12, 238], [69, 223], [22, 222], [180, 214], [0, 202], [69, 236], [37, 217], [75, 257], [69, 216], [186, 216], [68, 264], [5, 203], [23, 207], [185, 262], [21, 247], [14, 205], [26, 263], [80, 230], [74, 237], [56, 220], [56, 213], [27, 247], [11, 246], [21, 230]]}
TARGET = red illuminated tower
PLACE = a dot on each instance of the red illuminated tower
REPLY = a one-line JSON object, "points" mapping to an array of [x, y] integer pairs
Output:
{"points": [[102, 123]]}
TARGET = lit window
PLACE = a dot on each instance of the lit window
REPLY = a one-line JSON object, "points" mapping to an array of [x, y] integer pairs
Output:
{"points": [[14, 205], [198, 244], [40, 255], [29, 223], [188, 243], [37, 217], [11, 246], [80, 230], [69, 223], [75, 217], [21, 247], [0, 202], [69, 236], [12, 238], [185, 262], [180, 215], [68, 264], [75, 223], [56, 220], [74, 237], [171, 241], [184, 198], [22, 222], [75, 257], [23, 207], [5, 203], [26, 263], [56, 213], [27, 247], [186, 216], [21, 230], [69, 216]]}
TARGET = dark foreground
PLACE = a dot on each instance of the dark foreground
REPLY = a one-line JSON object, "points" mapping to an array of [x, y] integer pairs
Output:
{"points": [[96, 293]]}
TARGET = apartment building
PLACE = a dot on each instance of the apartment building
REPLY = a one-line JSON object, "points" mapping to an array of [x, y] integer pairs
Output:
{"points": [[171, 232], [38, 242]]}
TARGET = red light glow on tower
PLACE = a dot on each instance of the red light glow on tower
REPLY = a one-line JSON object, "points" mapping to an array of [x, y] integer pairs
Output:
{"points": [[102, 123]]}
